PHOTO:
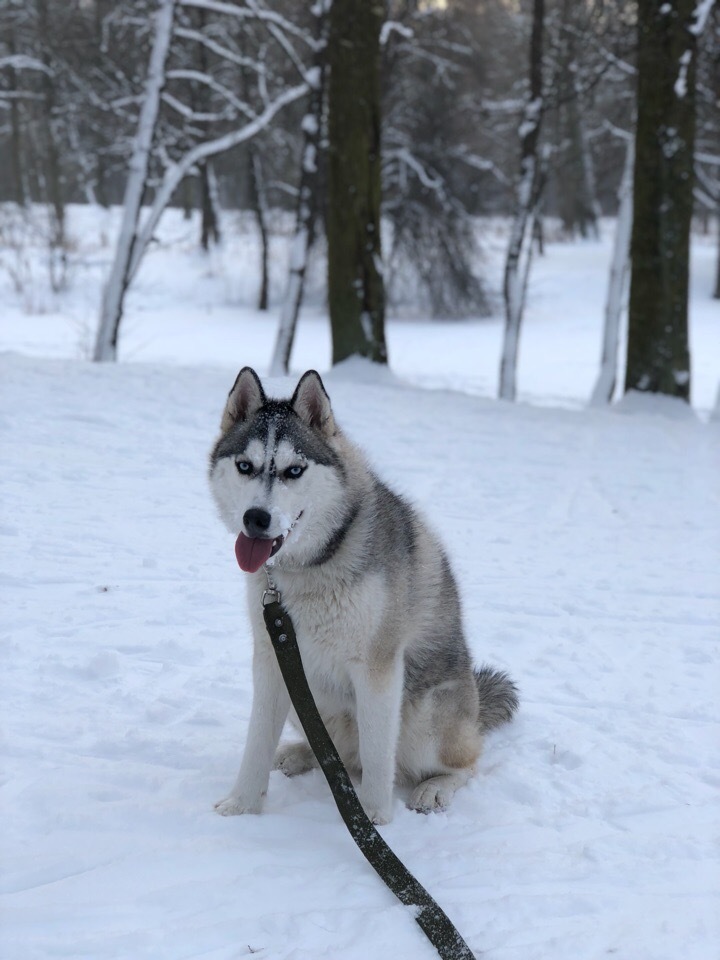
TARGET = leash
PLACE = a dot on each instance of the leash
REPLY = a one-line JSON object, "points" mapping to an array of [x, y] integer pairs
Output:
{"points": [[431, 918]]}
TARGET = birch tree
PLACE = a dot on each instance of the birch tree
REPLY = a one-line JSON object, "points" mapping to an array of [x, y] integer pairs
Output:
{"points": [[517, 263], [617, 285], [244, 119], [707, 138], [127, 245], [304, 234]]}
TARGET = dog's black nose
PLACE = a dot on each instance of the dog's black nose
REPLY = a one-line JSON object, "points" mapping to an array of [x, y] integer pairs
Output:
{"points": [[257, 522]]}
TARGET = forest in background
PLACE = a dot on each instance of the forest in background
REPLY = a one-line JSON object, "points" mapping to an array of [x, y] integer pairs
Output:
{"points": [[72, 75], [217, 105]]}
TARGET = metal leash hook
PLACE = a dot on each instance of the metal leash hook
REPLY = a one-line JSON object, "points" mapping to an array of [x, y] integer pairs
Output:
{"points": [[431, 918]]}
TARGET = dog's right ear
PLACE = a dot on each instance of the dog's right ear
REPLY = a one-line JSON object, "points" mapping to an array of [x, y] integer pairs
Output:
{"points": [[245, 399]]}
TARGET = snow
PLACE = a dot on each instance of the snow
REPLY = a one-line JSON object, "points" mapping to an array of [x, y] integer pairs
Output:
{"points": [[680, 86], [587, 547], [700, 16]]}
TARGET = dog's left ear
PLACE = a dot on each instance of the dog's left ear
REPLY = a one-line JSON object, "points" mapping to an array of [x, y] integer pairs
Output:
{"points": [[312, 404]]}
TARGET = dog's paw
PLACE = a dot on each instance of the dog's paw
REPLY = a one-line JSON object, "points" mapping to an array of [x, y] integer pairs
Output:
{"points": [[379, 811], [293, 759], [431, 795], [380, 817], [234, 806]]}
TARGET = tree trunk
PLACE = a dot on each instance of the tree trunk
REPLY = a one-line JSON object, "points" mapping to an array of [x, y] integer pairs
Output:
{"points": [[658, 352], [259, 202], [588, 174], [209, 211], [122, 269], [529, 191], [619, 269], [186, 198], [304, 236], [210, 225], [20, 192], [578, 199], [356, 294], [52, 172], [716, 293]]}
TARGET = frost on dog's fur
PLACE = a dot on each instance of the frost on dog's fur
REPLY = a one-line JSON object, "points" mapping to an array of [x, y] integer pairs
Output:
{"points": [[373, 600]]}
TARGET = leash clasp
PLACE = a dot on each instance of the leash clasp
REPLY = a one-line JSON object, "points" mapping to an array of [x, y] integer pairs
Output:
{"points": [[271, 594]]}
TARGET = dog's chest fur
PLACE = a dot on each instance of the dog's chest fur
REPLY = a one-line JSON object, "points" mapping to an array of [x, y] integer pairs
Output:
{"points": [[338, 628]]}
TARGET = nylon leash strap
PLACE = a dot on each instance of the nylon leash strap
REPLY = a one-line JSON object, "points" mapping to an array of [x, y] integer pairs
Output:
{"points": [[431, 918]]}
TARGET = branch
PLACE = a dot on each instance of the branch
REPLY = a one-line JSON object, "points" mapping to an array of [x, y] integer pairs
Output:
{"points": [[223, 52], [250, 13], [20, 61], [209, 81], [202, 151]]}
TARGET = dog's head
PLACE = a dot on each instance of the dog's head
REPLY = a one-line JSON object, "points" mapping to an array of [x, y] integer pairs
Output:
{"points": [[276, 473]]}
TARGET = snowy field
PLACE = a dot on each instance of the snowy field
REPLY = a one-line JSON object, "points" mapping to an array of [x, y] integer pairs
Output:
{"points": [[587, 546]]}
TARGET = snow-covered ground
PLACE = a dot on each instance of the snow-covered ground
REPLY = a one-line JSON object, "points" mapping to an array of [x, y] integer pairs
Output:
{"points": [[587, 546]]}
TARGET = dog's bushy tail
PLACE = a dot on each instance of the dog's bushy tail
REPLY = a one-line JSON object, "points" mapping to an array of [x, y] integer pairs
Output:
{"points": [[498, 697]]}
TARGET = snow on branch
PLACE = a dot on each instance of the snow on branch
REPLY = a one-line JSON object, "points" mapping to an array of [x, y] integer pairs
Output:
{"points": [[208, 81], [392, 26], [197, 116], [617, 131], [479, 163], [283, 41], [712, 158], [403, 155], [251, 12], [531, 117], [509, 106], [700, 16], [20, 61], [696, 27], [219, 50], [681, 82]]}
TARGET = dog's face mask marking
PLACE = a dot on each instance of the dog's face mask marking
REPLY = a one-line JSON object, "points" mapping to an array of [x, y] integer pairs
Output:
{"points": [[268, 476]]}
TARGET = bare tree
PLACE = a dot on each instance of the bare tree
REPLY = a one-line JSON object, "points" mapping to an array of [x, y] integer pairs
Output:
{"points": [[304, 235], [127, 246], [356, 294], [617, 285], [517, 263], [244, 122], [658, 359], [707, 139]]}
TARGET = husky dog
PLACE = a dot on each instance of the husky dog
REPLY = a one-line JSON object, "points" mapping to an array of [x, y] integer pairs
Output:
{"points": [[373, 601]]}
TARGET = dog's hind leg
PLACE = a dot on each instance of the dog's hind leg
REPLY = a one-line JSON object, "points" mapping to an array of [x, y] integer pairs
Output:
{"points": [[436, 793], [440, 746], [294, 758]]}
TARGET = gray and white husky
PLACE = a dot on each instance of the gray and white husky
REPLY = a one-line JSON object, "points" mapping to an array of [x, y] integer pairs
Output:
{"points": [[373, 600]]}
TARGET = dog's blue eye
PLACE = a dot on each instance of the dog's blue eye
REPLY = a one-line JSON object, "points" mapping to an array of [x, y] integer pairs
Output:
{"points": [[243, 466], [292, 473]]}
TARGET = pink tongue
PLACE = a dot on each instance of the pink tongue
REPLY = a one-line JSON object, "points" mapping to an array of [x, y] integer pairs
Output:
{"points": [[252, 553]]}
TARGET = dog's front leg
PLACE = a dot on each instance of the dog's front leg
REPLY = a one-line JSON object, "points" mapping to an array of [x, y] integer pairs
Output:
{"points": [[270, 707], [378, 697]]}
